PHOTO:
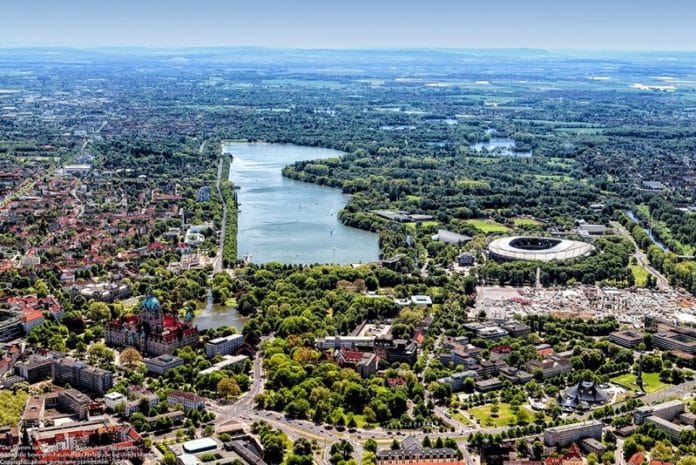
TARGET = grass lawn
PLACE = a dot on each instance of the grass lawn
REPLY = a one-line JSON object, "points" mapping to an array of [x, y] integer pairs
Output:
{"points": [[525, 222], [488, 226], [505, 416], [424, 224], [640, 275], [651, 382], [457, 415]]}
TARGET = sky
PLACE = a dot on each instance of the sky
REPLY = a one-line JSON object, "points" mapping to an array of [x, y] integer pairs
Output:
{"points": [[549, 24]]}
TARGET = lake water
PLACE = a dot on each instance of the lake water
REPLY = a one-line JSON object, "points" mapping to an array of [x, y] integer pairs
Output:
{"points": [[215, 316], [500, 145], [289, 221]]}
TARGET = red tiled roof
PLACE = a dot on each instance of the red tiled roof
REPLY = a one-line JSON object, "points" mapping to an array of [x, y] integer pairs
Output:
{"points": [[636, 459]]}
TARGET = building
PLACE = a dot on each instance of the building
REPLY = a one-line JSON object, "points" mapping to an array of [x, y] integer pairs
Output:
{"points": [[412, 453], [674, 340], [81, 376], [628, 338], [33, 412], [113, 400], [196, 446], [514, 375], [421, 300], [224, 345], [486, 385], [665, 410], [456, 380], [365, 363], [449, 237], [345, 342], [94, 442], [74, 401], [68, 400], [152, 331], [397, 351], [515, 328], [10, 326], [106, 292], [162, 363], [465, 259], [488, 330], [591, 445], [188, 400], [36, 368], [567, 434], [552, 366], [586, 229], [583, 395], [672, 430]]}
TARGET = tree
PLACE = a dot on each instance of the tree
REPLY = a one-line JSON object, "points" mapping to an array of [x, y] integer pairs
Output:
{"points": [[341, 451], [537, 450], [98, 353], [228, 388], [469, 384], [98, 311], [371, 445], [169, 458], [302, 447], [130, 357], [395, 445]]}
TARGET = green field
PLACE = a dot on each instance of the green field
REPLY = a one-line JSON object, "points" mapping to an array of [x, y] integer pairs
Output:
{"points": [[505, 416], [488, 226], [651, 382], [457, 415], [525, 222], [640, 275], [553, 177], [424, 224]]}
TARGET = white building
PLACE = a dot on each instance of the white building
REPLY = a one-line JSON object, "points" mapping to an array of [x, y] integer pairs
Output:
{"points": [[223, 345]]}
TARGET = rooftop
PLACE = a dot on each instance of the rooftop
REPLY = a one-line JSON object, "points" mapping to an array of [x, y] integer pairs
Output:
{"points": [[199, 445]]}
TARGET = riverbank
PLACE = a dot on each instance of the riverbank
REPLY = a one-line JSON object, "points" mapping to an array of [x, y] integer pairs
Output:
{"points": [[228, 233]]}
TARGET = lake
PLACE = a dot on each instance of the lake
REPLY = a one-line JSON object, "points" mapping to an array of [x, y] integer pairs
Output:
{"points": [[215, 316], [501, 146], [288, 221]]}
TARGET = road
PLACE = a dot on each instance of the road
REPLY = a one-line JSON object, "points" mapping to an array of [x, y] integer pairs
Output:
{"points": [[641, 257], [217, 263]]}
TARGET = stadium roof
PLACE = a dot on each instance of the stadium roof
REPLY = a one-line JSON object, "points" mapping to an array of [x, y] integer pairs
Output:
{"points": [[544, 249]]}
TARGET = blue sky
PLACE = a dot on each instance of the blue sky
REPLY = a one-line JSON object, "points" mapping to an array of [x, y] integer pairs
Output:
{"points": [[551, 24]]}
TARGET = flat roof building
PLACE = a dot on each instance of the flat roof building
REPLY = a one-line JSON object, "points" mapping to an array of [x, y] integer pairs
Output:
{"points": [[567, 434], [199, 445], [162, 363], [628, 338], [674, 340], [223, 345]]}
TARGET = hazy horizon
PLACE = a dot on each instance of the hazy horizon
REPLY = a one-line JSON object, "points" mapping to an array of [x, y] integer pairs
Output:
{"points": [[590, 25]]}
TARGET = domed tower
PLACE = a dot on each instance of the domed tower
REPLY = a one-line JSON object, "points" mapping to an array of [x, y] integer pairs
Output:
{"points": [[151, 314]]}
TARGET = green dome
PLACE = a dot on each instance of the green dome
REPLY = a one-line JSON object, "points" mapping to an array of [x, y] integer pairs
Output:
{"points": [[151, 304]]}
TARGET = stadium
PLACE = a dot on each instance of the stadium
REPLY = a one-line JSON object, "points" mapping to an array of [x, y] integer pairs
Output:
{"points": [[543, 249]]}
